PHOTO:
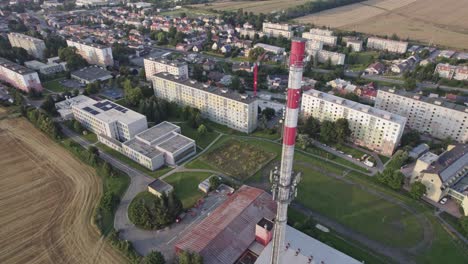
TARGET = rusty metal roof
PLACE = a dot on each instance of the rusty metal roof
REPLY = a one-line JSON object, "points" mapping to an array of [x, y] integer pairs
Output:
{"points": [[223, 236]]}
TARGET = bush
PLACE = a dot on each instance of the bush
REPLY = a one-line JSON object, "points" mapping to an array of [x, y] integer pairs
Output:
{"points": [[124, 246], [418, 189], [154, 257]]}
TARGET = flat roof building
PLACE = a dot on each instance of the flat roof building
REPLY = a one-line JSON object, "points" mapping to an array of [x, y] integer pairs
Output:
{"points": [[220, 105], [270, 48], [34, 46], [373, 128], [452, 72], [108, 118], [158, 187], [64, 108], [323, 35], [91, 74], [93, 53], [276, 30], [19, 76], [174, 67], [394, 46], [435, 116]]}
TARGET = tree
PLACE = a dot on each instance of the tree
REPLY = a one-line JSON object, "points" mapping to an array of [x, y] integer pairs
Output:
{"points": [[328, 132], [201, 130], [190, 258], [214, 182], [269, 113], [133, 96], [410, 84], [342, 130], [93, 88], [235, 83], [72, 58], [303, 141], [412, 138], [312, 127], [418, 189], [49, 105], [255, 52], [154, 257], [77, 127]]}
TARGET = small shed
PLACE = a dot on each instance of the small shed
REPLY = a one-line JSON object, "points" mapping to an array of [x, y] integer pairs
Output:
{"points": [[158, 187]]}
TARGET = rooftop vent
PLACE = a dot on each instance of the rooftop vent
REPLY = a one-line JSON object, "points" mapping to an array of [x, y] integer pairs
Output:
{"points": [[206, 85], [391, 90], [244, 96], [193, 81], [438, 102], [224, 90]]}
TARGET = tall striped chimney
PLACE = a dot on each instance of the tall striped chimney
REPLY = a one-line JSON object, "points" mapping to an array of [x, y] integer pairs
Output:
{"points": [[284, 184]]}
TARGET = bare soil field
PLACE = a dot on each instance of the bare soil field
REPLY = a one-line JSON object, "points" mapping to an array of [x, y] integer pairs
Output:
{"points": [[430, 21], [265, 7], [47, 199]]}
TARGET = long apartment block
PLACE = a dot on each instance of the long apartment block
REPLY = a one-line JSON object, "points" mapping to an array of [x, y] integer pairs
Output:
{"points": [[19, 76], [373, 128], [434, 116], [93, 53], [276, 30], [108, 118], [387, 44], [34, 46], [154, 65], [220, 105], [325, 36], [156, 146]]}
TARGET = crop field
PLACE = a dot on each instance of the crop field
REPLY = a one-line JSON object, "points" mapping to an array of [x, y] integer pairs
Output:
{"points": [[47, 200], [430, 21], [267, 6]]}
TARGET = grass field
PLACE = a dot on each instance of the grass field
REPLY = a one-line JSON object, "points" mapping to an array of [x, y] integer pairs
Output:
{"points": [[267, 6], [430, 21], [155, 174], [238, 159], [54, 86], [202, 141], [186, 186], [47, 199]]}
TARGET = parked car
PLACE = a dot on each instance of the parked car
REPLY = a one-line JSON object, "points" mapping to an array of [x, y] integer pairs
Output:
{"points": [[443, 200]]}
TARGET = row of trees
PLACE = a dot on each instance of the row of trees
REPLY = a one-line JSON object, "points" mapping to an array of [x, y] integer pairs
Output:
{"points": [[42, 121], [327, 131], [155, 212], [391, 175], [72, 58], [172, 37]]}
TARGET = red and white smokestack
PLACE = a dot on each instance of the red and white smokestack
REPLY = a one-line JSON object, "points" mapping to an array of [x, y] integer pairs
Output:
{"points": [[283, 198]]}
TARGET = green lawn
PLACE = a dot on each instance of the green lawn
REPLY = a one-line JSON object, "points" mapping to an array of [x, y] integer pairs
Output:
{"points": [[202, 141], [118, 185], [55, 86], [356, 153], [155, 174], [384, 159], [186, 186], [90, 137]]}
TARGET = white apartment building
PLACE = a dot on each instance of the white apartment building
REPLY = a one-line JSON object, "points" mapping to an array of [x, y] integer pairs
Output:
{"points": [[109, 119], [326, 36], [434, 116], [34, 46], [323, 56], [276, 30], [356, 45], [237, 111], [153, 66], [19, 76], [452, 72], [387, 44], [375, 129], [93, 53], [270, 48], [313, 45]]}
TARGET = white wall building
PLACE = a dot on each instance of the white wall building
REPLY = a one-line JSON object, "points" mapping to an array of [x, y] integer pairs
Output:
{"points": [[93, 53], [378, 130], [387, 44], [434, 116], [34, 46], [326, 36], [19, 76], [270, 48], [323, 56], [46, 69], [356, 45], [276, 30], [237, 111], [108, 118], [153, 66], [452, 72]]}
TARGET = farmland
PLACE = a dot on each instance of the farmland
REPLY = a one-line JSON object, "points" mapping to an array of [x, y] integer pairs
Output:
{"points": [[47, 199], [256, 7], [431, 21]]}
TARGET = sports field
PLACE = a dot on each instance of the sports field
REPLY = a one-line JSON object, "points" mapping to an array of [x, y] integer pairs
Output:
{"points": [[47, 200], [267, 6], [431, 21]]}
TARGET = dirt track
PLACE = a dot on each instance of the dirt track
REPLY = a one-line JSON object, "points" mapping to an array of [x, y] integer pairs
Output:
{"points": [[47, 199]]}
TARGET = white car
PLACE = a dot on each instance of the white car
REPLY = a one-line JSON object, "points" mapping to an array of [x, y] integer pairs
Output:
{"points": [[443, 200]]}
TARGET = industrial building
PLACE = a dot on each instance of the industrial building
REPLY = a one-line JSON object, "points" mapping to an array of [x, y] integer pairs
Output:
{"points": [[34, 46], [373, 128], [108, 119], [450, 72], [19, 76], [174, 67], [323, 35], [91, 74], [434, 116], [444, 175], [220, 105], [240, 230], [156, 146], [276, 30], [93, 53], [387, 44]]}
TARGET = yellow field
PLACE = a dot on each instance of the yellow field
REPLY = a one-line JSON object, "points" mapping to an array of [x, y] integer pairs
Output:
{"points": [[265, 7], [443, 22], [47, 199]]}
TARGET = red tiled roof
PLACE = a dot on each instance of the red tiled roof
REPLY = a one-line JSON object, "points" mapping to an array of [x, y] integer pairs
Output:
{"points": [[223, 236]]}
